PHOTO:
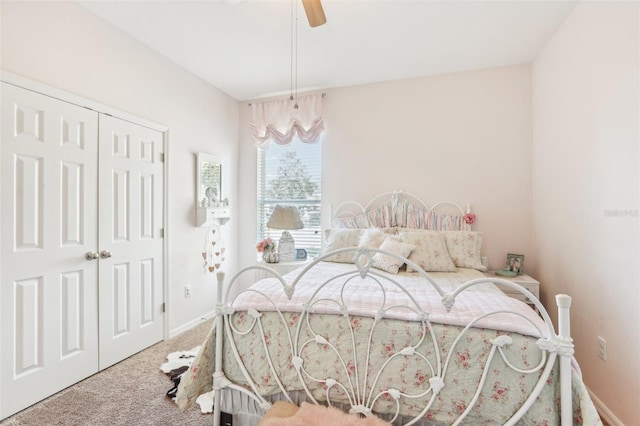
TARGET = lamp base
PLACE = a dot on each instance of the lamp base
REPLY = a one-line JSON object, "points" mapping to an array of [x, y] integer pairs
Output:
{"points": [[286, 247]]}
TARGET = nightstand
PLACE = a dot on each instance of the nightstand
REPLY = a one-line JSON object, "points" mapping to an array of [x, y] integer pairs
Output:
{"points": [[282, 268], [524, 280]]}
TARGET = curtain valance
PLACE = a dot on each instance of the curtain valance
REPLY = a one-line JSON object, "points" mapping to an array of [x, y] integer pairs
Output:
{"points": [[280, 122]]}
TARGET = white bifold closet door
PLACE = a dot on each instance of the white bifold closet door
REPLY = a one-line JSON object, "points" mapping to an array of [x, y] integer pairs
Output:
{"points": [[80, 244], [130, 227]]}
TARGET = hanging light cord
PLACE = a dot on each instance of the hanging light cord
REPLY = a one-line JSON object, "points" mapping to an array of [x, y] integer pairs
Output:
{"points": [[295, 106], [293, 83], [291, 54]]}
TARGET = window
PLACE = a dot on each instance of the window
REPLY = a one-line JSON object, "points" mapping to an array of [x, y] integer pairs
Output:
{"points": [[292, 175]]}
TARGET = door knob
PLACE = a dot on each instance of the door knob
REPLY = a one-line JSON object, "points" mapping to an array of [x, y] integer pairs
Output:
{"points": [[105, 254], [91, 255]]}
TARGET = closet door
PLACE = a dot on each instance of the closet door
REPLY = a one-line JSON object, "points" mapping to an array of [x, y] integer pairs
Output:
{"points": [[48, 287], [130, 238]]}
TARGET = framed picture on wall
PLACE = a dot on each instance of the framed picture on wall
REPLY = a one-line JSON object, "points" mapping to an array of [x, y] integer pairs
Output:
{"points": [[208, 180]]}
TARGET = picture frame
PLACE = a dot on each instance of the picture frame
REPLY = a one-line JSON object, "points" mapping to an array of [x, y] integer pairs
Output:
{"points": [[301, 254], [208, 180], [515, 263]]}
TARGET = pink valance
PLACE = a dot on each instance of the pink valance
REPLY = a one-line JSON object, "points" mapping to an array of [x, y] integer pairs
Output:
{"points": [[280, 122]]}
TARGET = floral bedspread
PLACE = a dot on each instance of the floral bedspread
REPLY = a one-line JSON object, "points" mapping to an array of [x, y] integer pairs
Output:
{"points": [[461, 366]]}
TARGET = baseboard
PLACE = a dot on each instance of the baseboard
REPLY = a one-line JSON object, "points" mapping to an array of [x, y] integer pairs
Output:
{"points": [[604, 412], [193, 323]]}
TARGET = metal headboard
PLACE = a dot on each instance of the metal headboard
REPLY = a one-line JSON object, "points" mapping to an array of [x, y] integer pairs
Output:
{"points": [[403, 210]]}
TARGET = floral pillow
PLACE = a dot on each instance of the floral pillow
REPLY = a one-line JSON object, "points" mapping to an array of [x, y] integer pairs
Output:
{"points": [[431, 252], [389, 263], [338, 238], [464, 249]]}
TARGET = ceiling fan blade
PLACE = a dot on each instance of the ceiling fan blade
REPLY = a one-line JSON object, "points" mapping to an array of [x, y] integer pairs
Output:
{"points": [[314, 11]]}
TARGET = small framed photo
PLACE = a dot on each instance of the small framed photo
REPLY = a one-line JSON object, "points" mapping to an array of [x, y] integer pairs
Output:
{"points": [[515, 263]]}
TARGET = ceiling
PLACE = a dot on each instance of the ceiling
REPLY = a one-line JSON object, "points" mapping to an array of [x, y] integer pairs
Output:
{"points": [[244, 47]]}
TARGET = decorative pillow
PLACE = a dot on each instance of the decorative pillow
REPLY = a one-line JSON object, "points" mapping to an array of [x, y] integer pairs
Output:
{"points": [[339, 238], [431, 252], [388, 263], [464, 249], [372, 238]]}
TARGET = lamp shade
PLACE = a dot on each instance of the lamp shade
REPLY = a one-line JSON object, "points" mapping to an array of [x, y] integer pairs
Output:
{"points": [[285, 217]]}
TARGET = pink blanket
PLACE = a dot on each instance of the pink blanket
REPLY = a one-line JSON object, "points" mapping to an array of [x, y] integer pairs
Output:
{"points": [[320, 415]]}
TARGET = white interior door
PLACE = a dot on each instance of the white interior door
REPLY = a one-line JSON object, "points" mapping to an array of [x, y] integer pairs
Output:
{"points": [[48, 289], [130, 238]]}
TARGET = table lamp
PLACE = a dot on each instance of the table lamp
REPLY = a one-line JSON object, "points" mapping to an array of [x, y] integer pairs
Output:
{"points": [[285, 218]]}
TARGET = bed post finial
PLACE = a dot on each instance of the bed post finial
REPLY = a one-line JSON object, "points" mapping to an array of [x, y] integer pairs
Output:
{"points": [[563, 300]]}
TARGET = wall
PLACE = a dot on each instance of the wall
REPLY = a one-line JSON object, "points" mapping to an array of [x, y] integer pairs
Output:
{"points": [[586, 190], [462, 137], [62, 45]]}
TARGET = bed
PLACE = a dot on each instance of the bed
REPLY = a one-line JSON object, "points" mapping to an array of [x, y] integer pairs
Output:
{"points": [[395, 319]]}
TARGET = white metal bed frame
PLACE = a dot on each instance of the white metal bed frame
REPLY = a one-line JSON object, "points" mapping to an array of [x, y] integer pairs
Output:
{"points": [[554, 346]]}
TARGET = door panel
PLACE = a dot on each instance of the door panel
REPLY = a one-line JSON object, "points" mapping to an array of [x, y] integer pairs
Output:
{"points": [[28, 326], [72, 312], [48, 290], [29, 204], [131, 221]]}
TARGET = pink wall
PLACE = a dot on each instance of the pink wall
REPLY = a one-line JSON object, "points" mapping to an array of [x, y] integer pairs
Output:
{"points": [[585, 167], [62, 45], [462, 137]]}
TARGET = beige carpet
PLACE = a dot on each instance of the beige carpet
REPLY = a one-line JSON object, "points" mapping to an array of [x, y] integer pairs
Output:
{"points": [[131, 392]]}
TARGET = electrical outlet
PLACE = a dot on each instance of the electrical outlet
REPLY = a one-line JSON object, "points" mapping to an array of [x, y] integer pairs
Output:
{"points": [[602, 349], [187, 291]]}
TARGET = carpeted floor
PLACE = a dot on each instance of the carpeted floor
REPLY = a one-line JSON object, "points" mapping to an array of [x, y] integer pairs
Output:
{"points": [[131, 392]]}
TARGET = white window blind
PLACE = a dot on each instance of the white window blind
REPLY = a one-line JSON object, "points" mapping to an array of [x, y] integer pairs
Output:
{"points": [[292, 175]]}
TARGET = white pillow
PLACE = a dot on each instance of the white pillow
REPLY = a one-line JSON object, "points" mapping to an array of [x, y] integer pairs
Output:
{"points": [[464, 249], [388, 263], [372, 238], [431, 252], [339, 238]]}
